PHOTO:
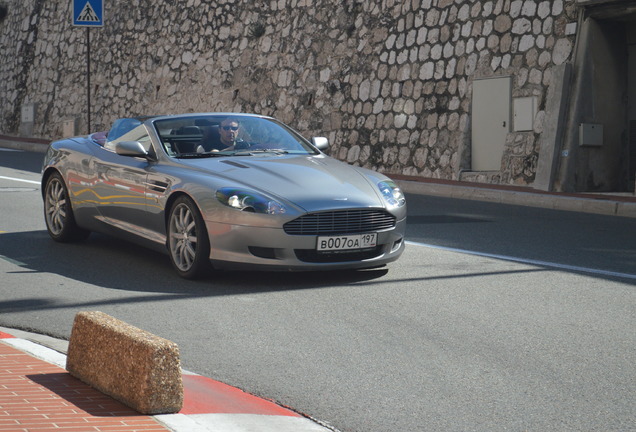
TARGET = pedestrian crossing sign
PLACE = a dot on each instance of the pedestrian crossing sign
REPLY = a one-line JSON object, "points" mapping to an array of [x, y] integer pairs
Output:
{"points": [[88, 13]]}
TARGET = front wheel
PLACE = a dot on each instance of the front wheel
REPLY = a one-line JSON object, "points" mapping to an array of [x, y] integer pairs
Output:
{"points": [[188, 241], [58, 213]]}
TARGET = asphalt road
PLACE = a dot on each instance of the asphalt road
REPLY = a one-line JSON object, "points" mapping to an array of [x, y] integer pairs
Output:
{"points": [[442, 340]]}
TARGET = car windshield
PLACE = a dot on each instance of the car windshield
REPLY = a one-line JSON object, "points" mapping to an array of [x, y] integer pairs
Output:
{"points": [[209, 135]]}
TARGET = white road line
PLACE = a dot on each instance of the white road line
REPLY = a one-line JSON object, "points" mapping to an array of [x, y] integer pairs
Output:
{"points": [[530, 261], [20, 180]]}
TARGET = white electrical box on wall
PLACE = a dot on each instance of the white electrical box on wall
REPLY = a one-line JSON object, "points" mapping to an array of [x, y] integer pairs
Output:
{"points": [[28, 113], [524, 111], [590, 134], [69, 128]]}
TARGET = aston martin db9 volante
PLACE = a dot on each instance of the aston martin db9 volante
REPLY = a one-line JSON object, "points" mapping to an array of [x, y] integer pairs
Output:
{"points": [[223, 191]]}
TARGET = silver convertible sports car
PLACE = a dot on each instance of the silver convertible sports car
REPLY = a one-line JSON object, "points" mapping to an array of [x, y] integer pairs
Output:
{"points": [[223, 191]]}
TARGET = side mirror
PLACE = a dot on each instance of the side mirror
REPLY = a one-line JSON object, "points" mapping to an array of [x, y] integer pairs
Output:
{"points": [[131, 148], [321, 143]]}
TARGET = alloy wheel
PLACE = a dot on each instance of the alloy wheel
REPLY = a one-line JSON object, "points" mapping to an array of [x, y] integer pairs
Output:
{"points": [[56, 206], [183, 237]]}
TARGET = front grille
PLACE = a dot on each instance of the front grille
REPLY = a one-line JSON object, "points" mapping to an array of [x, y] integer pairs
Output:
{"points": [[340, 222]]}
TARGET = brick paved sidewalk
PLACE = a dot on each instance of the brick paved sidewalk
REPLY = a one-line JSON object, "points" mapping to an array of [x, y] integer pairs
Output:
{"points": [[37, 396]]}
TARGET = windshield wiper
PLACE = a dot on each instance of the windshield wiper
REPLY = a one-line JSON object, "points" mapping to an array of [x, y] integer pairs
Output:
{"points": [[259, 151], [199, 155]]}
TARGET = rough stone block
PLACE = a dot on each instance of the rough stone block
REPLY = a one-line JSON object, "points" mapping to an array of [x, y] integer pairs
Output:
{"points": [[135, 367]]}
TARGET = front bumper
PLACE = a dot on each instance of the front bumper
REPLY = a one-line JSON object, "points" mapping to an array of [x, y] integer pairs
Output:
{"points": [[238, 246]]}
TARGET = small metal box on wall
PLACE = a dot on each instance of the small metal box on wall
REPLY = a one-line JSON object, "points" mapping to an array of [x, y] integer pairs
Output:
{"points": [[590, 134], [524, 111], [69, 127], [27, 119]]}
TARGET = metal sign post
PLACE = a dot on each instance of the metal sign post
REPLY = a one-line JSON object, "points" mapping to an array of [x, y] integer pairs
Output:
{"points": [[88, 79], [88, 13]]}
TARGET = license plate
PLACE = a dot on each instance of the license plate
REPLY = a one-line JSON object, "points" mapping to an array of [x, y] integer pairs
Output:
{"points": [[347, 242]]}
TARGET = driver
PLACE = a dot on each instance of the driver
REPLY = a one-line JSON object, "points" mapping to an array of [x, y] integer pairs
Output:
{"points": [[228, 132], [227, 138]]}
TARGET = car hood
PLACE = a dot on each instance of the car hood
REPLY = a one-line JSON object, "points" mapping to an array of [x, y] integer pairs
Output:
{"points": [[311, 182]]}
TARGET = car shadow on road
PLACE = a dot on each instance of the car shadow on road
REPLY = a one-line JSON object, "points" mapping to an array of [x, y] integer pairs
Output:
{"points": [[112, 263]]}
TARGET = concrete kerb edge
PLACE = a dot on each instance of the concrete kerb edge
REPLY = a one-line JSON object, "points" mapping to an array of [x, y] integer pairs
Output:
{"points": [[59, 345], [39, 351], [626, 209], [27, 145], [554, 202]]}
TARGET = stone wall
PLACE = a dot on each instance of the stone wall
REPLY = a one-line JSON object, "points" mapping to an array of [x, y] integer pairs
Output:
{"points": [[389, 82]]}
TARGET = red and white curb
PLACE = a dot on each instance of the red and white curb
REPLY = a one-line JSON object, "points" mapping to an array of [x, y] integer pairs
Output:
{"points": [[36, 350], [208, 405]]}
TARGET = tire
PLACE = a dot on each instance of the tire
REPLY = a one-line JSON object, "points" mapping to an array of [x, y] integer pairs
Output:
{"points": [[58, 212], [188, 242]]}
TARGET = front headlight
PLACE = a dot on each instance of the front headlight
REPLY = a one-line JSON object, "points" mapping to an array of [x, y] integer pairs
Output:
{"points": [[392, 194], [250, 201]]}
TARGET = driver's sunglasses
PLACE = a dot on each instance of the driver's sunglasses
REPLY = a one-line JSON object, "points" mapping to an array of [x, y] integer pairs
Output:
{"points": [[227, 128]]}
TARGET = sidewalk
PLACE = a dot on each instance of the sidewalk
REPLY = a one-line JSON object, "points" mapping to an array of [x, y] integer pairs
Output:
{"points": [[37, 394], [613, 204]]}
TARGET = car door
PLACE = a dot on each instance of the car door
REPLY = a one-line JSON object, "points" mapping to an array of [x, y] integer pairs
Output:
{"points": [[120, 184]]}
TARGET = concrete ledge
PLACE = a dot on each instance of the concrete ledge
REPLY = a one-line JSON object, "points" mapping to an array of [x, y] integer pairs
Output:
{"points": [[608, 205], [35, 145], [135, 367], [626, 209]]}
